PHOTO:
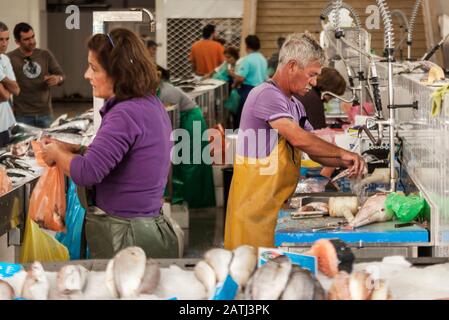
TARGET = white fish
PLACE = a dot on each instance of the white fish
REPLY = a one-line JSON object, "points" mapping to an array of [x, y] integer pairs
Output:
{"points": [[302, 285], [372, 211], [6, 291], [219, 260], [150, 278], [96, 287], [36, 285], [71, 281], [243, 264], [129, 269], [205, 273], [270, 280], [109, 279]]}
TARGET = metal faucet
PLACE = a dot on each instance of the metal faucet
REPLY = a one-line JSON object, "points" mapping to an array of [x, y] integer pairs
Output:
{"points": [[150, 16]]}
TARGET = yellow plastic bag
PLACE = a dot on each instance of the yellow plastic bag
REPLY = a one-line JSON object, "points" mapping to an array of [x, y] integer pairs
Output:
{"points": [[40, 246]]}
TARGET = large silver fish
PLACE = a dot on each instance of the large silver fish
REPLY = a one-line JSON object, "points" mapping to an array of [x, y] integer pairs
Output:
{"points": [[6, 291], [302, 285], [80, 125], [36, 285], [270, 280]]}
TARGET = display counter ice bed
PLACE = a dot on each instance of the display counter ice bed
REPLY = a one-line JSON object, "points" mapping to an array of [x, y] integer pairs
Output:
{"points": [[300, 231]]}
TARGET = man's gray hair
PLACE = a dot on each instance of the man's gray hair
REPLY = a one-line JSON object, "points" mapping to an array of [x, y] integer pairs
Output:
{"points": [[3, 27], [303, 48]]}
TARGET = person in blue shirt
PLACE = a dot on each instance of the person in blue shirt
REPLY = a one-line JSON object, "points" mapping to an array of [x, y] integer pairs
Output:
{"points": [[250, 72]]}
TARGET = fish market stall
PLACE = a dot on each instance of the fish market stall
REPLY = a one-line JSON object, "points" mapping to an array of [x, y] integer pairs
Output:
{"points": [[210, 95], [297, 233], [23, 172]]}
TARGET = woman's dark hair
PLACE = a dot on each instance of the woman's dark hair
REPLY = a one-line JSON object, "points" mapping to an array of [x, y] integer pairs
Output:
{"points": [[331, 80], [252, 42], [208, 30], [127, 62], [19, 28], [233, 52]]}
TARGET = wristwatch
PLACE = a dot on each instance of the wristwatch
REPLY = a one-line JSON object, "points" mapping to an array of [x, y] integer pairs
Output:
{"points": [[61, 80]]}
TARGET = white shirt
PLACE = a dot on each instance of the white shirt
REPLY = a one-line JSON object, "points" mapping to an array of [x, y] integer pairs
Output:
{"points": [[6, 115]]}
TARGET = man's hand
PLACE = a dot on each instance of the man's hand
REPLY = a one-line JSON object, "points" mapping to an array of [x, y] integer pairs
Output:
{"points": [[52, 80], [355, 163]]}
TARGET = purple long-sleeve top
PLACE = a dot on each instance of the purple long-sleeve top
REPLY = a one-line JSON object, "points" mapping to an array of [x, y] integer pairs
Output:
{"points": [[128, 162]]}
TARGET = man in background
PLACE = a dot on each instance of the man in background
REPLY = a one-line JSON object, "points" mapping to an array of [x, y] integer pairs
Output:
{"points": [[152, 49], [8, 87], [206, 54], [37, 71], [274, 59]]}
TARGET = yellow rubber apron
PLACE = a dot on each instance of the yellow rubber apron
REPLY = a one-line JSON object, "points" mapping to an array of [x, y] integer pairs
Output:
{"points": [[255, 198]]}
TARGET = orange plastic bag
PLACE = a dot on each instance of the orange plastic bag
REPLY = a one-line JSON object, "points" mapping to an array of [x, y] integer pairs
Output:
{"points": [[5, 181], [48, 203]]}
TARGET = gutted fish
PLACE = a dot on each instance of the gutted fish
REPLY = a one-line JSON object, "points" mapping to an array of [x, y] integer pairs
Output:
{"points": [[6, 291], [270, 280], [36, 285], [372, 211], [219, 260], [333, 256], [129, 269], [243, 264], [205, 274], [302, 285]]}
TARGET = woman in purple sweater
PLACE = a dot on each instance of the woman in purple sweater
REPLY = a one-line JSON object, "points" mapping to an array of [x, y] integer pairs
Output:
{"points": [[128, 162]]}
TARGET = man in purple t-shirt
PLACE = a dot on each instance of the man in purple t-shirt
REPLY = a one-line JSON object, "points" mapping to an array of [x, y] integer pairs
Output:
{"points": [[270, 143]]}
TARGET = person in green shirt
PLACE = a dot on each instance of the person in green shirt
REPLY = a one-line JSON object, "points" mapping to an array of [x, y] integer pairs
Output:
{"points": [[250, 72], [192, 182]]}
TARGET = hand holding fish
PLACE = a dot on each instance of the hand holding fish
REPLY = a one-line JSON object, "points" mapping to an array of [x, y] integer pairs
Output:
{"points": [[355, 163]]}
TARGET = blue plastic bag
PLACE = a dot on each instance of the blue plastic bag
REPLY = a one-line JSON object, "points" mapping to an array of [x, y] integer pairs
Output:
{"points": [[74, 220]]}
